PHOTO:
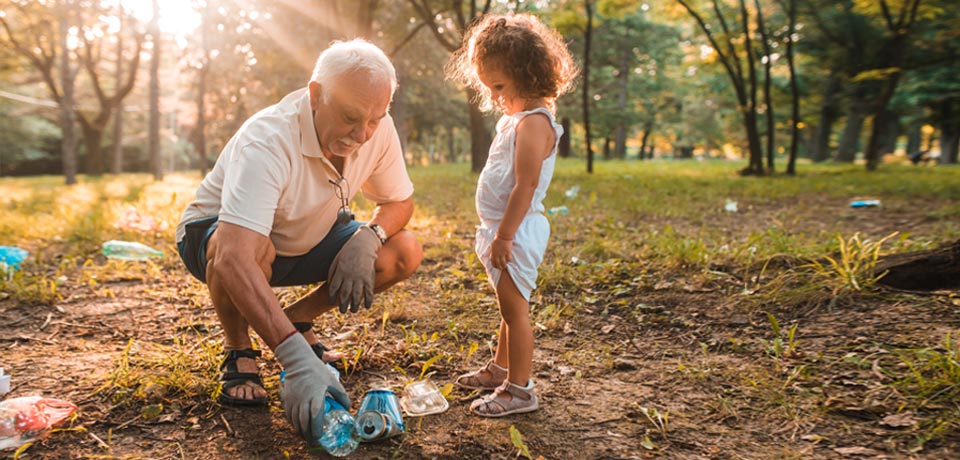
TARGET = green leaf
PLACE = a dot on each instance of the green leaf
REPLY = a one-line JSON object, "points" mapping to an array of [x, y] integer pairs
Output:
{"points": [[517, 440]]}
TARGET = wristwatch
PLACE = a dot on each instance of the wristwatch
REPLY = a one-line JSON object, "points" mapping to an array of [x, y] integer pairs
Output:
{"points": [[380, 232]]}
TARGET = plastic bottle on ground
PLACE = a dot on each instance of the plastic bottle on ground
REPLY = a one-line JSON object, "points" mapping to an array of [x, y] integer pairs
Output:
{"points": [[128, 250], [339, 437], [557, 211], [10, 258]]}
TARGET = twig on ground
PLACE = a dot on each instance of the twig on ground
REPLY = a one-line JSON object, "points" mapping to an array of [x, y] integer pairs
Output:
{"points": [[99, 441], [226, 425]]}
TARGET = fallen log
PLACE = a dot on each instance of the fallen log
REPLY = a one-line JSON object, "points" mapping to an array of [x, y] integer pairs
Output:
{"points": [[928, 270]]}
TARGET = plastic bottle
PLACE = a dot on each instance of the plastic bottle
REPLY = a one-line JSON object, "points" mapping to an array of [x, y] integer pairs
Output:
{"points": [[338, 438], [29, 418], [128, 250], [10, 258], [557, 211], [864, 203]]}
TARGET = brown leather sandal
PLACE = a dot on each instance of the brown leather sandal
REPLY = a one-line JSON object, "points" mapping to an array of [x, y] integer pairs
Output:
{"points": [[488, 377], [507, 399]]}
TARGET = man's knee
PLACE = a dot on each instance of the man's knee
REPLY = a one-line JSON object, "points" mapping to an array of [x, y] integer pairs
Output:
{"points": [[408, 252]]}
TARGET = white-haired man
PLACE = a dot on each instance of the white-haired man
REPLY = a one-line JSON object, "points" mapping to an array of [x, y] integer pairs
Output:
{"points": [[275, 211]]}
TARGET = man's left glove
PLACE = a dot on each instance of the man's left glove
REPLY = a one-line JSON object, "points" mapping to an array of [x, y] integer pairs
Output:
{"points": [[352, 272]]}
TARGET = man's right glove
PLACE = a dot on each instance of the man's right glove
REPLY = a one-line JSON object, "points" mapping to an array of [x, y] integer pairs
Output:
{"points": [[307, 382]]}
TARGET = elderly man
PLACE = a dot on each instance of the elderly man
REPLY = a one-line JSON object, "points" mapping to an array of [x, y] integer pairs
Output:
{"points": [[275, 211]]}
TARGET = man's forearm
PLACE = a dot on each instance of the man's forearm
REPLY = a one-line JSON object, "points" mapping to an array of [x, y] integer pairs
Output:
{"points": [[393, 216]]}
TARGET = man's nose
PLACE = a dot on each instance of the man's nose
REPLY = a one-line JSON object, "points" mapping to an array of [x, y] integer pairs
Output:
{"points": [[360, 134]]}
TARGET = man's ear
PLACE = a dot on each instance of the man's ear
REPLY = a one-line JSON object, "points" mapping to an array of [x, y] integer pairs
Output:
{"points": [[316, 94]]}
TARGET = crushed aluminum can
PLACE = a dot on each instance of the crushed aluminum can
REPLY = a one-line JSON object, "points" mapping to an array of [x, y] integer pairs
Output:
{"points": [[379, 416]]}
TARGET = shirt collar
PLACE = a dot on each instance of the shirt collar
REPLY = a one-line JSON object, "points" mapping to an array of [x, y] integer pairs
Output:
{"points": [[309, 144]]}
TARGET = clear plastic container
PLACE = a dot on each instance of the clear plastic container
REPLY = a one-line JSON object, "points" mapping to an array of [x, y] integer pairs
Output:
{"points": [[423, 398]]}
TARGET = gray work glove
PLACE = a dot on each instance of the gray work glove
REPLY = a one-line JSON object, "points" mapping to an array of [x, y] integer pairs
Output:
{"points": [[308, 381], [352, 273]]}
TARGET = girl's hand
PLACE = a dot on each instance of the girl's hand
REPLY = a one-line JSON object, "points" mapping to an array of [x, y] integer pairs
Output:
{"points": [[501, 253]]}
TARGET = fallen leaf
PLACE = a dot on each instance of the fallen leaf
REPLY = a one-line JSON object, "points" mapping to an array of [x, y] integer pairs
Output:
{"points": [[856, 451], [568, 328], [606, 329], [815, 438], [647, 443], [901, 420]]}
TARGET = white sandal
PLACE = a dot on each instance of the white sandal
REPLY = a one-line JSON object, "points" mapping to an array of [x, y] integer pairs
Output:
{"points": [[476, 381], [522, 400]]}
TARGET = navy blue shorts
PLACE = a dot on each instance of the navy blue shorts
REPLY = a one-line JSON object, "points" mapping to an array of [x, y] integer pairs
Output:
{"points": [[309, 268]]}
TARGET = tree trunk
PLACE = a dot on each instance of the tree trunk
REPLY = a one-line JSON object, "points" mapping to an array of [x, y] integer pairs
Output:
{"points": [[949, 131], [480, 137], [68, 119], [606, 147], [647, 129], [794, 90], [887, 142], [156, 159], [587, 38], [923, 270], [767, 83], [93, 146], [850, 138], [116, 166], [620, 133], [820, 150], [564, 148]]}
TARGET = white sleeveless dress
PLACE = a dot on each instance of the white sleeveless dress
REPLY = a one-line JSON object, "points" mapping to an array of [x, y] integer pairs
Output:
{"points": [[493, 189]]}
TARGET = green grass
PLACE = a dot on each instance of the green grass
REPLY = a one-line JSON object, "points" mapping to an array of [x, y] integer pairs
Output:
{"points": [[633, 227]]}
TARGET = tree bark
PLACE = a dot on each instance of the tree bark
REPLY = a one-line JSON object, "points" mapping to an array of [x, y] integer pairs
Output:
{"points": [[949, 131], [850, 138], [794, 90], [156, 159], [828, 117], [116, 166], [767, 83], [480, 137], [922, 270], [585, 95], [68, 115]]}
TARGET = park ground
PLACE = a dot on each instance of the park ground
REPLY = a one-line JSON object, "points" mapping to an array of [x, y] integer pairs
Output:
{"points": [[667, 324]]}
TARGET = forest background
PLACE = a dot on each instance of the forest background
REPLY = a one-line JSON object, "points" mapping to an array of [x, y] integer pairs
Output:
{"points": [[91, 86]]}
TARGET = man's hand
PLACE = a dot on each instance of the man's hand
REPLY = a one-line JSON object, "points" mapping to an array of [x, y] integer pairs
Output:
{"points": [[307, 382], [352, 272]]}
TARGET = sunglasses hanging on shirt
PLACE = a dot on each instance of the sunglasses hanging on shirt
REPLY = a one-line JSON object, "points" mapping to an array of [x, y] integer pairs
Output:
{"points": [[344, 216]]}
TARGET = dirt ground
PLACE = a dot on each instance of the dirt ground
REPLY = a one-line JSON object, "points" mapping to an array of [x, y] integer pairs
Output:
{"points": [[684, 347]]}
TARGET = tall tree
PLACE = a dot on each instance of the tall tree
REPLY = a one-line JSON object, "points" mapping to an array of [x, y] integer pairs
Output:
{"points": [[744, 85], [448, 22], [791, 9], [587, 38], [899, 25], [45, 45], [153, 146], [116, 166]]}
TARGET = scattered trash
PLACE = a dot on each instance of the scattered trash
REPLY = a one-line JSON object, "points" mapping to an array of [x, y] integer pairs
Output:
{"points": [[29, 418], [557, 211], [10, 258], [131, 219], [572, 191], [338, 437], [730, 206], [128, 250], [4, 383], [864, 203], [379, 416], [423, 398]]}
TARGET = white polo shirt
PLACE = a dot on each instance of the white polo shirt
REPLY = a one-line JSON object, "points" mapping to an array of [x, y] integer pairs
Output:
{"points": [[272, 177]]}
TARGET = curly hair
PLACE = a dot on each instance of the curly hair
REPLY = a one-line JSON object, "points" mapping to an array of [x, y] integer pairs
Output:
{"points": [[528, 52]]}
